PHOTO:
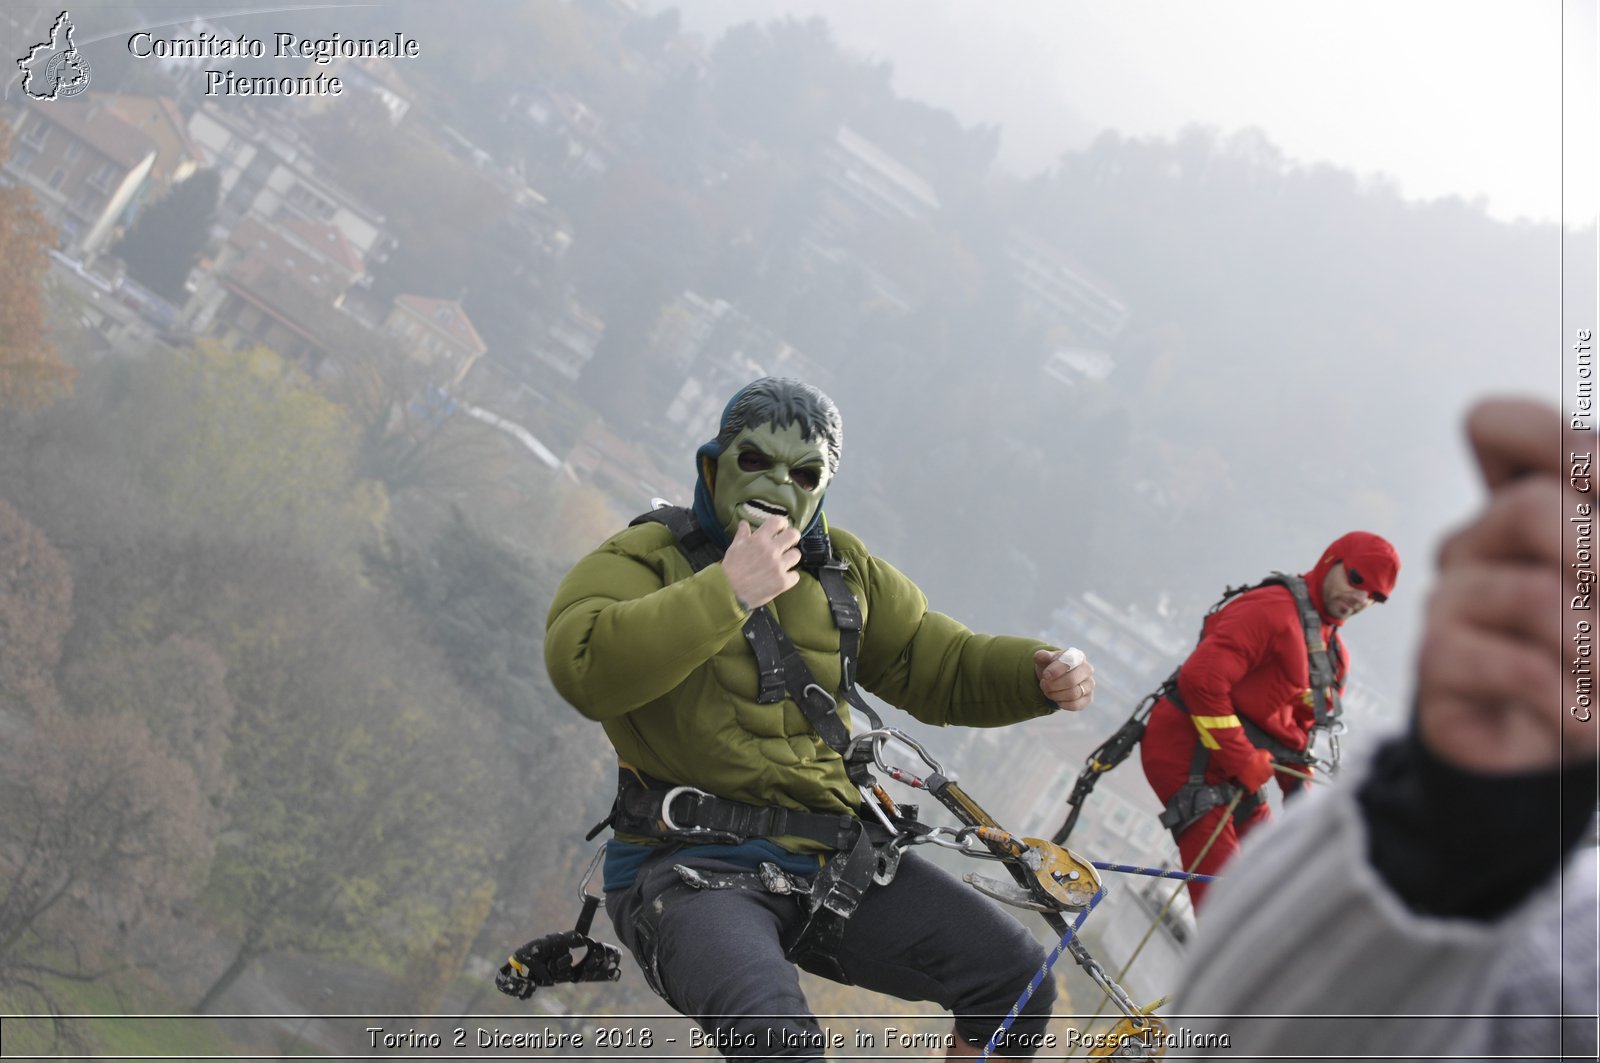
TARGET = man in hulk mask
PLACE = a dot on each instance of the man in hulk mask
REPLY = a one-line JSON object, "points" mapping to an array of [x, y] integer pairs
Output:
{"points": [[720, 647]]}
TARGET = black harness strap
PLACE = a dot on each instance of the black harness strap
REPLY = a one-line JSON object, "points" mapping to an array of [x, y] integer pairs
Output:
{"points": [[820, 707], [1195, 797], [1324, 676], [835, 893], [643, 808], [692, 539], [847, 618], [1261, 740], [763, 634]]}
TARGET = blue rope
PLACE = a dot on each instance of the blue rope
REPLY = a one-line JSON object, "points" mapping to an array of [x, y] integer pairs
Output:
{"points": [[1155, 872], [1038, 977]]}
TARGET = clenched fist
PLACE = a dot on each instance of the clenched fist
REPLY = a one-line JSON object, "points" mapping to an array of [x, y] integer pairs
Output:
{"points": [[1496, 690], [1066, 678]]}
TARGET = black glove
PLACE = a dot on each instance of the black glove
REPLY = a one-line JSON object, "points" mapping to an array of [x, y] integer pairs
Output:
{"points": [[510, 982], [547, 960]]}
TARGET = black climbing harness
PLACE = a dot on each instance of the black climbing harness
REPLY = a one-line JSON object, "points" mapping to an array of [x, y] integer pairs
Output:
{"points": [[1197, 797]]}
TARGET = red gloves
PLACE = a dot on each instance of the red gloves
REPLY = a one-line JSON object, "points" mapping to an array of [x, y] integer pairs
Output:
{"points": [[1257, 773]]}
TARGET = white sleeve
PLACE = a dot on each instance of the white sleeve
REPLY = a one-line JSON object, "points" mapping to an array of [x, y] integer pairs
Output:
{"points": [[1303, 950]]}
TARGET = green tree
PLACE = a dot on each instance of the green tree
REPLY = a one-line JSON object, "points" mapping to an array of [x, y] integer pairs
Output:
{"points": [[366, 807], [169, 235], [240, 444], [433, 963], [483, 606], [410, 435], [35, 614]]}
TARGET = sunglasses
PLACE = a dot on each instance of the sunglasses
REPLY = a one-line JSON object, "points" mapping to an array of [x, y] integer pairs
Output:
{"points": [[1355, 579]]}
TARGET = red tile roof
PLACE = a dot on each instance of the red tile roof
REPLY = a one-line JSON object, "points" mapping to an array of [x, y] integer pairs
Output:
{"points": [[265, 252], [329, 241], [445, 316], [100, 129]]}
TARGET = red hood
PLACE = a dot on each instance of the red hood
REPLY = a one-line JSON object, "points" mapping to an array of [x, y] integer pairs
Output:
{"points": [[1371, 555]]}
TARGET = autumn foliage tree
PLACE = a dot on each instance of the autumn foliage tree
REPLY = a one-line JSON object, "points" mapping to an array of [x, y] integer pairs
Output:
{"points": [[31, 371], [35, 613], [100, 829], [177, 687], [104, 823]]}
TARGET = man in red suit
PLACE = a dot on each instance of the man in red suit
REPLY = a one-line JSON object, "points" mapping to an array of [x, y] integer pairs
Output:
{"points": [[1270, 666]]}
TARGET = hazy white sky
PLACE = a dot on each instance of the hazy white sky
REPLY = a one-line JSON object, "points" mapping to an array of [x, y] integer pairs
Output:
{"points": [[1446, 97]]}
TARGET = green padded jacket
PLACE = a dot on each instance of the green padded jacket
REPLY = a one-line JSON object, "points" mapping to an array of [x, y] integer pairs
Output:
{"points": [[653, 650]]}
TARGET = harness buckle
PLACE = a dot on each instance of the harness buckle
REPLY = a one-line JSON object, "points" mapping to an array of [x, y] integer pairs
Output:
{"points": [[805, 691], [666, 812]]}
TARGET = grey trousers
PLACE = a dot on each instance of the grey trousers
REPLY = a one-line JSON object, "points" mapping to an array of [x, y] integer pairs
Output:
{"points": [[718, 957]]}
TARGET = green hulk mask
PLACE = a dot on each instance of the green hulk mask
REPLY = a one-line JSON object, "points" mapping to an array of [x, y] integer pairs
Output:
{"points": [[766, 472], [776, 450]]}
